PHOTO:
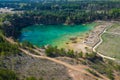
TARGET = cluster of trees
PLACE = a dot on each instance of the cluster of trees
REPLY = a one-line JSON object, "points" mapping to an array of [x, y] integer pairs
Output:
{"points": [[56, 52], [6, 74], [7, 48], [12, 24], [54, 13], [61, 5]]}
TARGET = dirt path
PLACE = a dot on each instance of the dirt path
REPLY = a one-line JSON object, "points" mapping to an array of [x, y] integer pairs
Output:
{"points": [[51, 59], [101, 40], [39, 52], [77, 73], [80, 69], [10, 40]]}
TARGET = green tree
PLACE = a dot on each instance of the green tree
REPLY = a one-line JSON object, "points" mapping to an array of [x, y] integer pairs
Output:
{"points": [[6, 74], [31, 78]]}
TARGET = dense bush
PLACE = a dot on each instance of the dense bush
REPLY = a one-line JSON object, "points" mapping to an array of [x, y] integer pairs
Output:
{"points": [[27, 44], [7, 48], [55, 52], [90, 56], [6, 74], [33, 78], [92, 72]]}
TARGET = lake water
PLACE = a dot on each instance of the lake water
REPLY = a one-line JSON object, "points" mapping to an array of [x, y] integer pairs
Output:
{"points": [[55, 35]]}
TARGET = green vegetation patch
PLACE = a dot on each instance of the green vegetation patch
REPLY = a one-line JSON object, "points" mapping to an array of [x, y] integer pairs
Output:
{"points": [[110, 46], [33, 78], [114, 28], [111, 42], [6, 48], [56, 52], [92, 72], [105, 67], [6, 74]]}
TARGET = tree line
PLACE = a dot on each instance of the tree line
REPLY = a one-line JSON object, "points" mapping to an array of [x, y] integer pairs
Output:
{"points": [[54, 13]]}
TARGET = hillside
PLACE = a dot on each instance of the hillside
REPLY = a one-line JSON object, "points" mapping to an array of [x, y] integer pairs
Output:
{"points": [[25, 66], [90, 56], [29, 64]]}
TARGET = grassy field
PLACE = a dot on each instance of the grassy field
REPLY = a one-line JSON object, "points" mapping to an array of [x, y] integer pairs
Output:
{"points": [[111, 42], [115, 28]]}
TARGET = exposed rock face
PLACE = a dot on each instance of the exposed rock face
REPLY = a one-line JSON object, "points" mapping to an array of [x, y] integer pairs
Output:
{"points": [[26, 66]]}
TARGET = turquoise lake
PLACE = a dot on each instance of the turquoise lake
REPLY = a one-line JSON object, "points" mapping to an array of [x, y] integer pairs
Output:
{"points": [[55, 35]]}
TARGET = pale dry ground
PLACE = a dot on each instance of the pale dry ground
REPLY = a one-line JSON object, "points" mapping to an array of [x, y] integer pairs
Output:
{"points": [[79, 76], [79, 46]]}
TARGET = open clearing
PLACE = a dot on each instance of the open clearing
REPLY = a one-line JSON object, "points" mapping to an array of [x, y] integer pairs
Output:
{"points": [[111, 42]]}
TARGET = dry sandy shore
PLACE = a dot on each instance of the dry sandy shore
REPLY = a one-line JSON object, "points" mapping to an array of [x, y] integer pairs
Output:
{"points": [[90, 40], [93, 38]]}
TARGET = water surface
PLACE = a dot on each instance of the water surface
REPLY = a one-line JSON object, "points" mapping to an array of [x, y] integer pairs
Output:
{"points": [[55, 35]]}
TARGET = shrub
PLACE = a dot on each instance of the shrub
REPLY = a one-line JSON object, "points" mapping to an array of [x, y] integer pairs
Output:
{"points": [[27, 44], [55, 52], [92, 72], [6, 48], [6, 74], [31, 78]]}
